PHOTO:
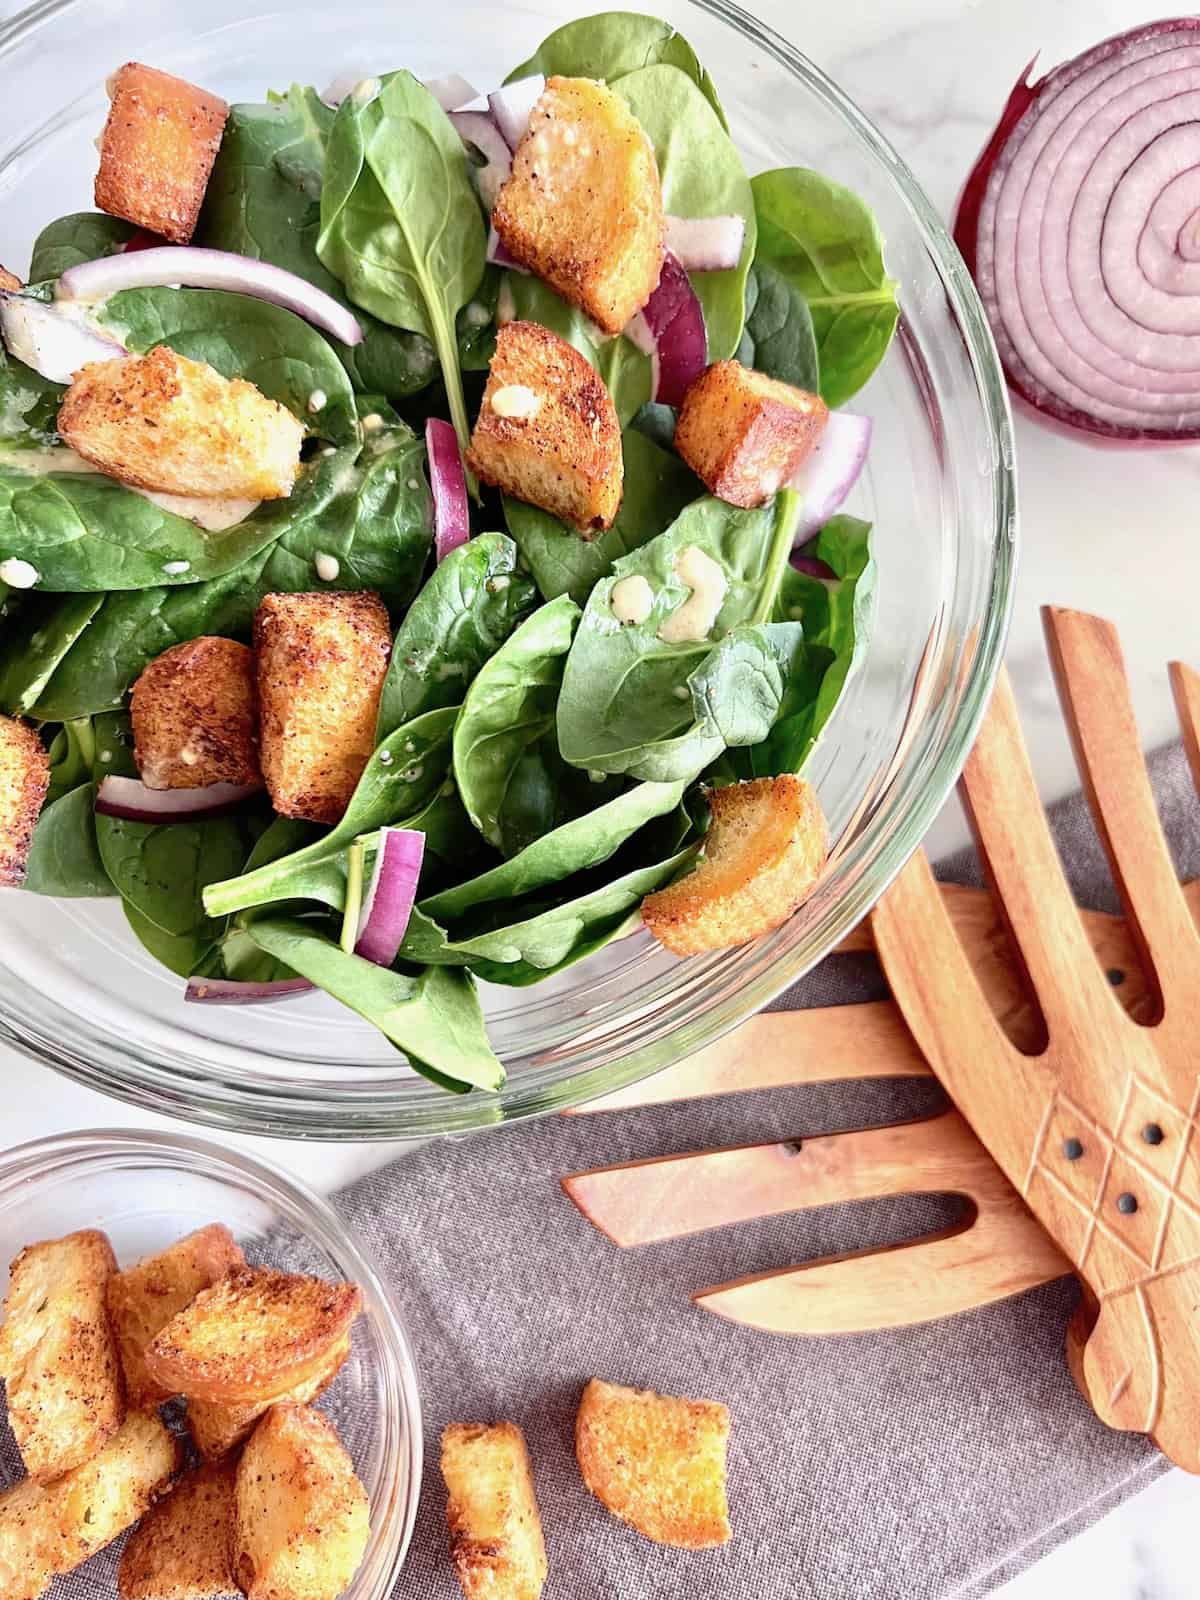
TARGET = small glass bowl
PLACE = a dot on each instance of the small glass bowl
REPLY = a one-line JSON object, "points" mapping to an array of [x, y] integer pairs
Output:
{"points": [[148, 1190]]}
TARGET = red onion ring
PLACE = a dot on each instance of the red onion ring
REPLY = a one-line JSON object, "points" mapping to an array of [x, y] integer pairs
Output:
{"points": [[132, 801], [451, 514], [670, 330], [479, 129], [830, 470], [242, 991], [391, 894]]}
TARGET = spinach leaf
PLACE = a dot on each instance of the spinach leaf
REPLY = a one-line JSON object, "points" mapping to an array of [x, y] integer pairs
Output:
{"points": [[826, 243], [658, 422], [72, 758], [778, 338], [71, 240], [31, 650], [180, 953], [657, 487], [28, 405], [449, 836], [65, 858], [739, 688], [471, 603]]}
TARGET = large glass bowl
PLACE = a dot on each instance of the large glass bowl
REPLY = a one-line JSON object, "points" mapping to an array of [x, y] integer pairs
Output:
{"points": [[79, 994]]}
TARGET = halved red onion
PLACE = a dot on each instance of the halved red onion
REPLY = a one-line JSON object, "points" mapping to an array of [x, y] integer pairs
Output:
{"points": [[670, 330], [387, 904], [451, 516], [511, 105], [242, 991], [130, 799], [451, 92], [499, 255], [477, 128], [1081, 221], [195, 268], [54, 345], [812, 566], [706, 244], [831, 469]]}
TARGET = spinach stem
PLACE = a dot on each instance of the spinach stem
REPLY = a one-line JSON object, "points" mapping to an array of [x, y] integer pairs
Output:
{"points": [[354, 894], [787, 516], [447, 350]]}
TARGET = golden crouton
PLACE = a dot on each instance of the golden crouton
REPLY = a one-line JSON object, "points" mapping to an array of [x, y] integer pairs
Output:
{"points": [[583, 205], [157, 150], [9, 280], [218, 1428], [47, 1529], [322, 659], [301, 1522], [180, 1551], [57, 1357], [547, 430], [144, 1298], [762, 855], [656, 1462], [252, 1335], [24, 779], [496, 1539], [746, 434], [195, 716], [161, 421]]}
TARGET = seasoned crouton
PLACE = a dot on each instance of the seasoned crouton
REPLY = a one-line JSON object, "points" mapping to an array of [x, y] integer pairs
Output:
{"points": [[496, 1539], [157, 150], [252, 1335], [547, 430], [143, 1299], [583, 205], [163, 422], [180, 1551], [195, 716], [57, 1356], [656, 1462], [24, 779], [322, 659], [217, 1428], [762, 855], [9, 280], [302, 1519], [746, 434], [47, 1529]]}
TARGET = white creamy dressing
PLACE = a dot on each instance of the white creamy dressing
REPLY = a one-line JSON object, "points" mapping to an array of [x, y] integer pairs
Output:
{"points": [[327, 566], [516, 402], [317, 401], [372, 422], [694, 619], [18, 574], [632, 599]]}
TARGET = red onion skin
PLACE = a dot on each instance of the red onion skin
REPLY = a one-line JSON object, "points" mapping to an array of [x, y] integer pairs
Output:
{"points": [[241, 992]]}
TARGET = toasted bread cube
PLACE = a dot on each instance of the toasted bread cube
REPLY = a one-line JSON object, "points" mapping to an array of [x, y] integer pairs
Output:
{"points": [[218, 1428], [547, 430], [322, 659], [9, 280], [157, 150], [583, 204], [195, 716], [762, 855], [252, 1335], [745, 434], [496, 1540], [302, 1519], [143, 1299], [24, 779], [656, 1462], [163, 422], [48, 1529], [180, 1550], [57, 1356]]}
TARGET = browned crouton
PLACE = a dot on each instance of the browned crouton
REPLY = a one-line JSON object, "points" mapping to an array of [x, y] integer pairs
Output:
{"points": [[144, 1298], [762, 855], [657, 1462], [496, 1539], [547, 430], [163, 422], [302, 1519], [216, 1429], [322, 659], [57, 1357], [24, 779], [746, 434], [583, 205], [9, 280], [180, 1550], [195, 716], [157, 150]]}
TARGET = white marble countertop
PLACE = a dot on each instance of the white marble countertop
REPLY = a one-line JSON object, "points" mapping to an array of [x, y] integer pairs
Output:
{"points": [[1103, 530]]}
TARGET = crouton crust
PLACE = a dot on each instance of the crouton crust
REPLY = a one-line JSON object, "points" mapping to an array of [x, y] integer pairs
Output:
{"points": [[565, 455], [496, 1541], [9, 280], [746, 434], [762, 855], [583, 206], [195, 716], [180, 1550], [218, 1428], [143, 1299], [164, 422], [57, 1356], [24, 779], [656, 1462], [321, 662], [157, 150]]}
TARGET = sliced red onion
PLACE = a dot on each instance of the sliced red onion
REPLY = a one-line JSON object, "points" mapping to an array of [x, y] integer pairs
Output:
{"points": [[1080, 222], [706, 244], [197, 268], [670, 330], [54, 345], [452, 92], [830, 470], [130, 799], [813, 567], [499, 255], [451, 517], [477, 128], [511, 106], [242, 991], [391, 894]]}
